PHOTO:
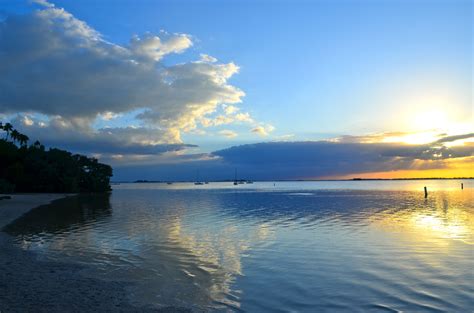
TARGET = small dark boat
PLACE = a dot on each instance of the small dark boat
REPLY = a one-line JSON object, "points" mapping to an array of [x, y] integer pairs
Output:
{"points": [[198, 182], [235, 178]]}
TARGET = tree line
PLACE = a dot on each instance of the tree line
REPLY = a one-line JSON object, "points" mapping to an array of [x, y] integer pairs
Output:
{"points": [[32, 168]]}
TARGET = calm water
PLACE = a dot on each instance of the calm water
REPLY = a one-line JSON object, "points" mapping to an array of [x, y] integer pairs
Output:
{"points": [[292, 247]]}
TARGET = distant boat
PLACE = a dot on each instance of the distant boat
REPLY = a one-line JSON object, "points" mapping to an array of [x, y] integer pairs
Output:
{"points": [[169, 183], [235, 178], [198, 182]]}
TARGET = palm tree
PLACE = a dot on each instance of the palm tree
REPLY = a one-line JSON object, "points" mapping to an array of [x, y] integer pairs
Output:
{"points": [[8, 128], [23, 139], [15, 135]]}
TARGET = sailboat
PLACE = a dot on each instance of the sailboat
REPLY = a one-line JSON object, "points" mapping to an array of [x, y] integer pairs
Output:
{"points": [[235, 179], [198, 182]]}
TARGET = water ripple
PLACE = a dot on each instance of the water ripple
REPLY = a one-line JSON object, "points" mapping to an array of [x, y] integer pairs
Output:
{"points": [[268, 249]]}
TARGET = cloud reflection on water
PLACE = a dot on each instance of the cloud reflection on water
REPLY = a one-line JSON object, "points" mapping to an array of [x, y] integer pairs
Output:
{"points": [[220, 248]]}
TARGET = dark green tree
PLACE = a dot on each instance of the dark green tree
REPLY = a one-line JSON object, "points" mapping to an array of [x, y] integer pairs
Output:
{"points": [[7, 128], [23, 140], [35, 169], [15, 135]]}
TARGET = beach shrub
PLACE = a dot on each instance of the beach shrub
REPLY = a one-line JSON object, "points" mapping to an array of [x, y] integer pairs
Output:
{"points": [[32, 168]]}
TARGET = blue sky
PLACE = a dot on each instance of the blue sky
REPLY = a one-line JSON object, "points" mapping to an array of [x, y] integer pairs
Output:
{"points": [[310, 70]]}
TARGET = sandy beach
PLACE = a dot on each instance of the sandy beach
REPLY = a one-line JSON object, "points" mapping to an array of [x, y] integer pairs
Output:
{"points": [[18, 205], [31, 285]]}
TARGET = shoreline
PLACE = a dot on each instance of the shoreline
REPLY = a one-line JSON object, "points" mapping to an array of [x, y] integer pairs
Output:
{"points": [[355, 179], [31, 285], [19, 204]]}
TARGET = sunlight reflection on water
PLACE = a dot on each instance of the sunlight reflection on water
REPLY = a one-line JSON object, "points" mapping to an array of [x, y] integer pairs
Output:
{"points": [[293, 247]]}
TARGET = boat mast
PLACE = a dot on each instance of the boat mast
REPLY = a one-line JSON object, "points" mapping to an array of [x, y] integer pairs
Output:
{"points": [[235, 178]]}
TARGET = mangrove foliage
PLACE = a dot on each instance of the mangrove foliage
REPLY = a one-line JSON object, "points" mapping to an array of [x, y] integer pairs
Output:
{"points": [[33, 168]]}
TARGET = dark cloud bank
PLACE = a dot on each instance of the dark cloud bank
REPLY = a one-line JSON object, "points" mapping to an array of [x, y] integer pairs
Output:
{"points": [[305, 160]]}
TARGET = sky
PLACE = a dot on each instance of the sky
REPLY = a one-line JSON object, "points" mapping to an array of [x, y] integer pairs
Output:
{"points": [[275, 89]]}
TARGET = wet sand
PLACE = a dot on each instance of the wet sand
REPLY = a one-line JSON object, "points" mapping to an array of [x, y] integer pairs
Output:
{"points": [[31, 285], [11, 209]]}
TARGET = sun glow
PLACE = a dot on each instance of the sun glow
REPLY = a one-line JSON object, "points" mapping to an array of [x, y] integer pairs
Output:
{"points": [[450, 229], [414, 138], [437, 127], [437, 224], [435, 119]]}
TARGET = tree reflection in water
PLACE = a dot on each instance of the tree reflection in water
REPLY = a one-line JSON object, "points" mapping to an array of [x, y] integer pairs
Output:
{"points": [[62, 215]]}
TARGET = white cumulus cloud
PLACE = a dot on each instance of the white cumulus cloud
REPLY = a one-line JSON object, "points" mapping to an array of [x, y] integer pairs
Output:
{"points": [[54, 64], [228, 133], [263, 130]]}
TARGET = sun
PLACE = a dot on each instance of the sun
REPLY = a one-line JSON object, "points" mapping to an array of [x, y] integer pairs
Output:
{"points": [[429, 120]]}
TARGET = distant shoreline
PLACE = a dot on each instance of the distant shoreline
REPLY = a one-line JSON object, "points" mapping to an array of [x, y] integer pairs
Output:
{"points": [[291, 180]]}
